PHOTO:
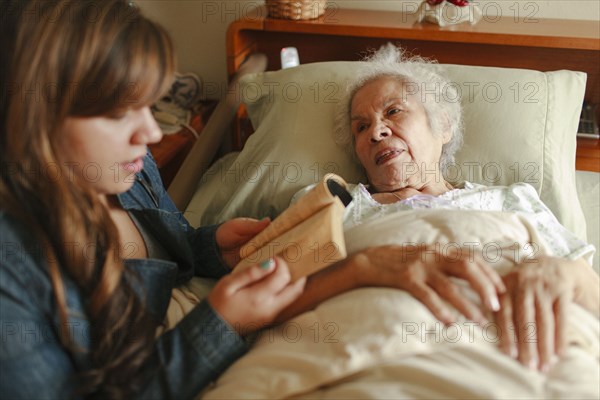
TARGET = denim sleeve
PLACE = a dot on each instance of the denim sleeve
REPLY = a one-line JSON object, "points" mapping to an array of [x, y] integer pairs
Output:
{"points": [[33, 362], [192, 355], [35, 365], [208, 261], [207, 257]]}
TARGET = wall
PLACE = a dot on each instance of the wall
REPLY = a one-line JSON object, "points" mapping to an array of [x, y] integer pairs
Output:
{"points": [[198, 27]]}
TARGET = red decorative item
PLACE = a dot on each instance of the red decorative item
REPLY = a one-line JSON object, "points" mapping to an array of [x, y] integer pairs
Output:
{"points": [[459, 3]]}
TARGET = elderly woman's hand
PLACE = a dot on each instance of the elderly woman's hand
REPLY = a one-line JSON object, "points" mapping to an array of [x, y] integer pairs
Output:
{"points": [[426, 274], [533, 311]]}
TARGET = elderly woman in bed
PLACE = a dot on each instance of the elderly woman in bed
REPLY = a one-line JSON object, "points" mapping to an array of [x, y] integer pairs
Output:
{"points": [[404, 133]]}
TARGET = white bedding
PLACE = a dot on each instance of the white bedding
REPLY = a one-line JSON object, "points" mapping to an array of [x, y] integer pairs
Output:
{"points": [[352, 345], [382, 343]]}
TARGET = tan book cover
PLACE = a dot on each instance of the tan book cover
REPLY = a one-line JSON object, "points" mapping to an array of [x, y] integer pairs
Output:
{"points": [[308, 235]]}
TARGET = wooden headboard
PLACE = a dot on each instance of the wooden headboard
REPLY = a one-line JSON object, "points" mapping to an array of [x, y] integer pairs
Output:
{"points": [[344, 34]]}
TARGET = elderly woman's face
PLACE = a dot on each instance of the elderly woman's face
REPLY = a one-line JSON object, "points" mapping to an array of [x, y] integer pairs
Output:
{"points": [[393, 139]]}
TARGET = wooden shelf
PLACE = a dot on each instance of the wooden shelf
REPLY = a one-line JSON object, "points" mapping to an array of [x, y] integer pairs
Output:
{"points": [[345, 34], [504, 31], [171, 151], [588, 155]]}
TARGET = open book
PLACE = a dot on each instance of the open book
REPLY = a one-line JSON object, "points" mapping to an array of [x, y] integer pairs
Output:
{"points": [[308, 235]]}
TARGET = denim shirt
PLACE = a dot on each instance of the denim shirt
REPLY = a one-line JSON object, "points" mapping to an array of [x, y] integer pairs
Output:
{"points": [[34, 364]]}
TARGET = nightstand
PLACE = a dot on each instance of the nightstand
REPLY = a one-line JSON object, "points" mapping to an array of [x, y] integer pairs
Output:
{"points": [[171, 151]]}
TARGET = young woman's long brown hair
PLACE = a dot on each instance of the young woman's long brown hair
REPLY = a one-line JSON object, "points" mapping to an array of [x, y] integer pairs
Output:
{"points": [[78, 58]]}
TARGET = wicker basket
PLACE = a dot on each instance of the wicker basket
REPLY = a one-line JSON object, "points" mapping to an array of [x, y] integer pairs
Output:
{"points": [[296, 9]]}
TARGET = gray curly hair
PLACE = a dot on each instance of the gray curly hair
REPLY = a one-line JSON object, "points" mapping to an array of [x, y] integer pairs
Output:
{"points": [[444, 111]]}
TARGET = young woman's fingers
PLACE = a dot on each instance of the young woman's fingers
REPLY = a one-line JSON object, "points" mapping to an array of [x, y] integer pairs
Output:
{"points": [[239, 230], [239, 280], [249, 227], [275, 282], [290, 293]]}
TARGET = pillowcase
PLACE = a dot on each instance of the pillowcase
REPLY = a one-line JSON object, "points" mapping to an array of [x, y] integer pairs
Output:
{"points": [[520, 125], [588, 190]]}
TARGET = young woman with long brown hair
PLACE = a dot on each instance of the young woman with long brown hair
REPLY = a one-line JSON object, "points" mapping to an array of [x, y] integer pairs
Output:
{"points": [[91, 243]]}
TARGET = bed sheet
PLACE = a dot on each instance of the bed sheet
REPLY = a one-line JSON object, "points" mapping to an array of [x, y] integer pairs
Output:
{"points": [[382, 343]]}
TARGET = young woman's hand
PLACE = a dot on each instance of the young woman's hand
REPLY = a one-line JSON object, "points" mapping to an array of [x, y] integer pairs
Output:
{"points": [[233, 234], [250, 299], [426, 274]]}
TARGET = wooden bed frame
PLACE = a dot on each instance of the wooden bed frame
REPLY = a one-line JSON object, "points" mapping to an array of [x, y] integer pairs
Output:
{"points": [[509, 41]]}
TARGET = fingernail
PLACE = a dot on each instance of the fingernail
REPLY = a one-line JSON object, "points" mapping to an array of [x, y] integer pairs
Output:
{"points": [[494, 304], [267, 264], [545, 368], [448, 317], [532, 364]]}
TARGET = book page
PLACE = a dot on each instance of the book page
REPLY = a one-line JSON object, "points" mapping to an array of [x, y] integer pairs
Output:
{"points": [[311, 245], [319, 197], [308, 235]]}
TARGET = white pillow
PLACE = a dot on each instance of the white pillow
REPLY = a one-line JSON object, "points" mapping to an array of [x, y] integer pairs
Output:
{"points": [[588, 190], [520, 125]]}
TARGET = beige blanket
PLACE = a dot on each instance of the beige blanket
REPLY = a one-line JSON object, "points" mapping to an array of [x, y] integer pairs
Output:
{"points": [[382, 343]]}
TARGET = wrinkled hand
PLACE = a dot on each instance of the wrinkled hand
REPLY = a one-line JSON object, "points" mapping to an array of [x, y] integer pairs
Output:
{"points": [[533, 311], [250, 299], [233, 234], [426, 274]]}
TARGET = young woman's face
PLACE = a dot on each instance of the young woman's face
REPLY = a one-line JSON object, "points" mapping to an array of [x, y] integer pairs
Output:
{"points": [[393, 139], [107, 151]]}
